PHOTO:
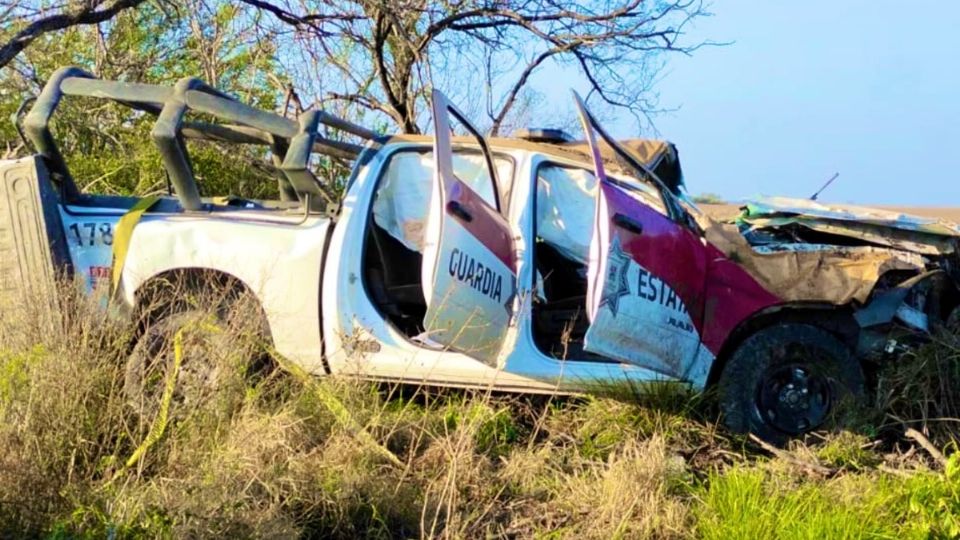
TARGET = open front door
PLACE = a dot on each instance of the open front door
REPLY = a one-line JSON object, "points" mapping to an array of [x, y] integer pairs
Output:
{"points": [[469, 267], [646, 270]]}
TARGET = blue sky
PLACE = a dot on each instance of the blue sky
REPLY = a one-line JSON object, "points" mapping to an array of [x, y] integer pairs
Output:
{"points": [[868, 89]]}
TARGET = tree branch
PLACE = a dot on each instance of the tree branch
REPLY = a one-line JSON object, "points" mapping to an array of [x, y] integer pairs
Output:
{"points": [[61, 21], [511, 97], [407, 46]]}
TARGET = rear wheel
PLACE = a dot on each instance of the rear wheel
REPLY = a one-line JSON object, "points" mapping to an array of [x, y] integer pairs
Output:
{"points": [[786, 380], [216, 342]]}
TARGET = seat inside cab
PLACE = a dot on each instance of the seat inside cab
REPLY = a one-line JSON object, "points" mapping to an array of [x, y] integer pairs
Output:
{"points": [[564, 206]]}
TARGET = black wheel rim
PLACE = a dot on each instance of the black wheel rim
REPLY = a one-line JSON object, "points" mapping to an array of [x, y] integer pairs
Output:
{"points": [[794, 398]]}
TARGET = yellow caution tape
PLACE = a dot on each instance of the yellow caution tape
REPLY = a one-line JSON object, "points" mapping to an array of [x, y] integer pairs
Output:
{"points": [[159, 425], [160, 422], [123, 234]]}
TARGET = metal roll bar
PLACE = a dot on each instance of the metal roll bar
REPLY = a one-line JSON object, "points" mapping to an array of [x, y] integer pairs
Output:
{"points": [[291, 142]]}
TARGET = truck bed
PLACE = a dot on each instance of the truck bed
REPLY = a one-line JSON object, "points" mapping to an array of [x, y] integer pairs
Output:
{"points": [[33, 246]]}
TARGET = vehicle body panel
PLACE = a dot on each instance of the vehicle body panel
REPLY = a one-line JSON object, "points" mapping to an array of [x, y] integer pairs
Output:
{"points": [[277, 258], [90, 232], [675, 318], [646, 286], [731, 296], [814, 210], [33, 250], [358, 339], [812, 272]]}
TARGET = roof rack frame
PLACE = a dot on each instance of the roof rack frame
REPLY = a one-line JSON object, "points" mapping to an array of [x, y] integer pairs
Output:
{"points": [[291, 142]]}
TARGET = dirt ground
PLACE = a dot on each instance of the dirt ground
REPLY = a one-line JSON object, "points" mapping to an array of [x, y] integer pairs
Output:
{"points": [[724, 211]]}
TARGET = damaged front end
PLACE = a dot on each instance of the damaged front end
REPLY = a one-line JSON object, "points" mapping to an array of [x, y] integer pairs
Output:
{"points": [[899, 273]]}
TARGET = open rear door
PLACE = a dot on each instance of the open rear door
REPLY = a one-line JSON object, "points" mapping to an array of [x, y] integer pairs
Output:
{"points": [[469, 267], [646, 271]]}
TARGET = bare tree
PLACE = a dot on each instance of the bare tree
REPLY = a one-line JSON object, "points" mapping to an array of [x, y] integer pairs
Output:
{"points": [[34, 19], [385, 56]]}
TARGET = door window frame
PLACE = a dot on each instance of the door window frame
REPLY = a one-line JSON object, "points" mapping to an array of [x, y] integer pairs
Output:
{"points": [[545, 160], [368, 221], [501, 200], [451, 111]]}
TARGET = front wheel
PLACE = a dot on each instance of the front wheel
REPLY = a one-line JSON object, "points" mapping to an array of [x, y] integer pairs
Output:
{"points": [[787, 380]]}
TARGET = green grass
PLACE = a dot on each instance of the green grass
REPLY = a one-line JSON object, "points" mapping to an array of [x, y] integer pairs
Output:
{"points": [[289, 455], [751, 502]]}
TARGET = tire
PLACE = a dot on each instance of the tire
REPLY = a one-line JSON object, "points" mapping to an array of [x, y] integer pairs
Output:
{"points": [[212, 340], [786, 380]]}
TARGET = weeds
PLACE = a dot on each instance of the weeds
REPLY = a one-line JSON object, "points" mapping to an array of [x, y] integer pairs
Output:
{"points": [[269, 452], [922, 390], [763, 502]]}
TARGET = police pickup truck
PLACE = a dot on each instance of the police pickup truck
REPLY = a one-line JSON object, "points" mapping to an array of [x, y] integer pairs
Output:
{"points": [[534, 263]]}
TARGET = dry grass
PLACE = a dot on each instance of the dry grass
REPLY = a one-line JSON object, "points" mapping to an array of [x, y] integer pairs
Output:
{"points": [[922, 390], [276, 453]]}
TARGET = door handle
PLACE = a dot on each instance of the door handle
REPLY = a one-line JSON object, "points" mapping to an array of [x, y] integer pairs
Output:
{"points": [[457, 210], [628, 223]]}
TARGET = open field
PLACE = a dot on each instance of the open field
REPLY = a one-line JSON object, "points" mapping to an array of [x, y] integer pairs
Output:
{"points": [[726, 211], [281, 454]]}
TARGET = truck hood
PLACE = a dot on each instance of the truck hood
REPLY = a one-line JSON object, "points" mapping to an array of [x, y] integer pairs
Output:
{"points": [[802, 250], [781, 221]]}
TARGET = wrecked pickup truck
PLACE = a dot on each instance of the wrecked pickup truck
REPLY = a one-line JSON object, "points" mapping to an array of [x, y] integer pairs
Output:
{"points": [[534, 263]]}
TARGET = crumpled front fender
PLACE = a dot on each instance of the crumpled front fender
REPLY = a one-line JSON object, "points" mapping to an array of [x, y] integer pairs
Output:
{"points": [[916, 303]]}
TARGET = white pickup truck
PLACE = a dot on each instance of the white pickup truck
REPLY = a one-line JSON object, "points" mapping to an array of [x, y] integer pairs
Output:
{"points": [[533, 263]]}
